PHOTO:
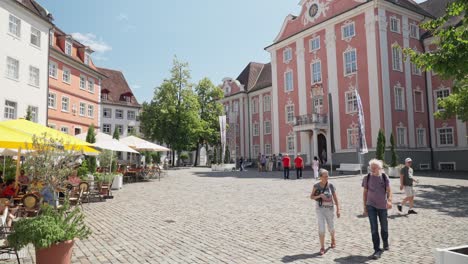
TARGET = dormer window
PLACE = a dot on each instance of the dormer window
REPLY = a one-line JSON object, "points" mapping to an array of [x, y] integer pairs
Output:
{"points": [[86, 58], [51, 37], [104, 96], [68, 48], [126, 98]]}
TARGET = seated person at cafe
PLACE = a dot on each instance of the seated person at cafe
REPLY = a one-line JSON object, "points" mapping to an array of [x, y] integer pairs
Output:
{"points": [[47, 194], [23, 180], [73, 179], [9, 190]]}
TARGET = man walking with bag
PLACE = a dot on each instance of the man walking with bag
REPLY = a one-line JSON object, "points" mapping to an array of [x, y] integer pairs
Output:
{"points": [[406, 183]]}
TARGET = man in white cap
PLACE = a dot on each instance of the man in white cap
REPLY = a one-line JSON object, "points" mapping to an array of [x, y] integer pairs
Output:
{"points": [[406, 183]]}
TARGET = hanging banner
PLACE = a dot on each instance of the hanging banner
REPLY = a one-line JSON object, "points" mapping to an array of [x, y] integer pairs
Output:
{"points": [[222, 129], [362, 132]]}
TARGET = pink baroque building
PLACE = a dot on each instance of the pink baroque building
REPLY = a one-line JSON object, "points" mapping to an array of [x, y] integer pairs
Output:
{"points": [[321, 57], [74, 85]]}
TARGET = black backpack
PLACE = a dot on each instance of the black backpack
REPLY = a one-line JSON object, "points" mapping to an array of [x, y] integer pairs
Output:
{"points": [[384, 180]]}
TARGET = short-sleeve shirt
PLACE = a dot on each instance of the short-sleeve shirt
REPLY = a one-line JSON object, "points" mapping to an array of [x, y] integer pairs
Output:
{"points": [[286, 162], [328, 191], [376, 190], [298, 162], [407, 173]]}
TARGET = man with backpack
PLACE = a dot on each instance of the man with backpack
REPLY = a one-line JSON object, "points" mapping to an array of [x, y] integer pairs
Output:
{"points": [[377, 198], [406, 183]]}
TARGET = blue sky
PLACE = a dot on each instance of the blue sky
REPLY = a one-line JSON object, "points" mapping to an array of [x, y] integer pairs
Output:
{"points": [[141, 37]]}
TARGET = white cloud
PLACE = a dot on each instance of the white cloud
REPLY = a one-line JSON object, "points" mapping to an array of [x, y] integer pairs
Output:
{"points": [[122, 17], [135, 86], [91, 40]]}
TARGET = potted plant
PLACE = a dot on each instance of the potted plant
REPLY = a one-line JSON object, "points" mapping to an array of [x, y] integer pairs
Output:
{"points": [[53, 231]]}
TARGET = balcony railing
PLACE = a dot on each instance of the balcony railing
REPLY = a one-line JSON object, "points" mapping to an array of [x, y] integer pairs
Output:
{"points": [[320, 119]]}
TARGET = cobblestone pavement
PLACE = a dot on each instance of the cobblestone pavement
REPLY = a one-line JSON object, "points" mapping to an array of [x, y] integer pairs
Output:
{"points": [[197, 216]]}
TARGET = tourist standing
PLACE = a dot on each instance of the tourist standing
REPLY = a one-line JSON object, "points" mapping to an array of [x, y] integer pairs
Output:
{"points": [[406, 183], [324, 193], [299, 164], [263, 163], [241, 163], [377, 197], [274, 161], [324, 156], [286, 163], [280, 160], [315, 167]]}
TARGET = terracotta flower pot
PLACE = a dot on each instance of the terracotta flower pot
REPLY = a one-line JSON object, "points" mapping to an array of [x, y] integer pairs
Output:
{"points": [[60, 253]]}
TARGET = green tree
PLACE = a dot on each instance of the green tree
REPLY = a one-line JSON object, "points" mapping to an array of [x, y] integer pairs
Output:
{"points": [[28, 114], [450, 58], [380, 150], [210, 109], [116, 134], [394, 162], [215, 155], [91, 138], [172, 117]]}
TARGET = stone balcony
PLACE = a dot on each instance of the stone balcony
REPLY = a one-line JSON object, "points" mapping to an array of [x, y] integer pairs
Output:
{"points": [[310, 122]]}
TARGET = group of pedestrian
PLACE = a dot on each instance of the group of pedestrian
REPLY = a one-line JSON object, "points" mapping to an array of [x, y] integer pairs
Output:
{"points": [[377, 199]]}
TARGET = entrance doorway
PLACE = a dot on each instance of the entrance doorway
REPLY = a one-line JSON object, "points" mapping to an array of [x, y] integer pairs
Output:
{"points": [[322, 148]]}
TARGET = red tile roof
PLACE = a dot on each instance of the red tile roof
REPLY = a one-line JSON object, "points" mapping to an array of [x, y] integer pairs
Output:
{"points": [[116, 86], [36, 8]]}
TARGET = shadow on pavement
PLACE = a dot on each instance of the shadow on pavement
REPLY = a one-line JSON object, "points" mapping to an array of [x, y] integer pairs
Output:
{"points": [[397, 216], [254, 174], [353, 259], [451, 200], [289, 259]]}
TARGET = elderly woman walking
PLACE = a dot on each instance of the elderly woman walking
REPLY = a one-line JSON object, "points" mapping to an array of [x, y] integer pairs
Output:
{"points": [[324, 193]]}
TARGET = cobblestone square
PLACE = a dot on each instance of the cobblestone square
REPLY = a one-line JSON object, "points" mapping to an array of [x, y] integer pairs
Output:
{"points": [[199, 216]]}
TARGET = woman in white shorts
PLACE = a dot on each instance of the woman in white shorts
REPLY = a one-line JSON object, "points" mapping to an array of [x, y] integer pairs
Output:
{"points": [[324, 193]]}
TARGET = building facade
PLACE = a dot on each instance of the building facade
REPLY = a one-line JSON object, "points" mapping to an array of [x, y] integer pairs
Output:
{"points": [[24, 38], [74, 85], [335, 49]]}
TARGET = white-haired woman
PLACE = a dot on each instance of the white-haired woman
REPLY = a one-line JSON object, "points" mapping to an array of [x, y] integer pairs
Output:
{"points": [[377, 198], [324, 193]]}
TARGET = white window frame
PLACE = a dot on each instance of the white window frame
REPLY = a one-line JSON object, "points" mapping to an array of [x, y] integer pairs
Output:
{"points": [[104, 96], [267, 149], [104, 128], [107, 112], [436, 101], [235, 106], [83, 81], [266, 103], [352, 136], [130, 129], [316, 76], [129, 116], [415, 70], [421, 137], [64, 129], [256, 149], [52, 100], [288, 112], [64, 70], [34, 75], [291, 140], [53, 69], [86, 59], [351, 101], [120, 128], [397, 58], [399, 97], [345, 29], [51, 37], [91, 85], [34, 113], [287, 55], [352, 64], [414, 30], [10, 110], [35, 36], [395, 21], [314, 44], [67, 104], [439, 141], [422, 101], [267, 127], [82, 109], [68, 47], [256, 129], [401, 137], [119, 111], [12, 68], [14, 26], [288, 88], [448, 163], [90, 111], [52, 125], [254, 106]]}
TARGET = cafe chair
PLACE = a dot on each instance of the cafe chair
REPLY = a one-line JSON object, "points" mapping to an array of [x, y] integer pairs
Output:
{"points": [[4, 232], [31, 205]]}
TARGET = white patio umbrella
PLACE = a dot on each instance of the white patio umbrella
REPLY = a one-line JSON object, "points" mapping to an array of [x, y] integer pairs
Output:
{"points": [[142, 145], [10, 153], [105, 141]]}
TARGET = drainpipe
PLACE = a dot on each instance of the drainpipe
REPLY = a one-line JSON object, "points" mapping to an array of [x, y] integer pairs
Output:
{"points": [[428, 114], [248, 124]]}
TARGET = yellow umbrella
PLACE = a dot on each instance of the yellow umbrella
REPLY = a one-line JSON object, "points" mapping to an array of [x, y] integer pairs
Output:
{"points": [[31, 128], [13, 139]]}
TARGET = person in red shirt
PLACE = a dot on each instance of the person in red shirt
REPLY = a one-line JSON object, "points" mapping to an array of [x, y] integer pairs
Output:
{"points": [[286, 164], [299, 164], [10, 189]]}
